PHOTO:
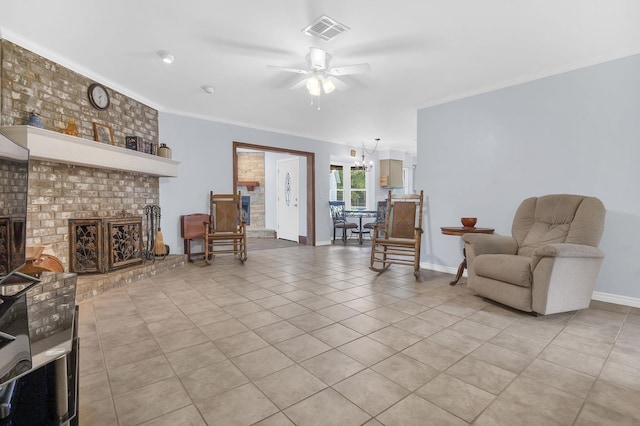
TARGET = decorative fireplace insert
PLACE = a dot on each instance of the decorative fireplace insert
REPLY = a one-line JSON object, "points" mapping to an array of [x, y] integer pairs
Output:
{"points": [[104, 244]]}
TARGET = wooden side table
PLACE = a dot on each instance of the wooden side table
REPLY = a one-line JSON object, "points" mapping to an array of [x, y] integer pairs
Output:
{"points": [[459, 231]]}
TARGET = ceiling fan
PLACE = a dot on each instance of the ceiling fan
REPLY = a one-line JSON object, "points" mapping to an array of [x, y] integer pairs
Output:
{"points": [[321, 77]]}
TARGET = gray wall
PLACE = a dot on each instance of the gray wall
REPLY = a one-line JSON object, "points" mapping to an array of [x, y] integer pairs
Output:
{"points": [[205, 150], [577, 132]]}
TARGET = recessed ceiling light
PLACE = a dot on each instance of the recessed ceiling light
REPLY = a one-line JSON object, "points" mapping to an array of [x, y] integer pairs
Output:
{"points": [[167, 57], [208, 89]]}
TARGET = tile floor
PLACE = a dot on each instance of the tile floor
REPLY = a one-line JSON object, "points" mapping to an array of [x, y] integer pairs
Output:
{"points": [[311, 336]]}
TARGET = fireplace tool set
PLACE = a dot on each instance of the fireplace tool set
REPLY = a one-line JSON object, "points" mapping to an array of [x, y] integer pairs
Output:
{"points": [[155, 244]]}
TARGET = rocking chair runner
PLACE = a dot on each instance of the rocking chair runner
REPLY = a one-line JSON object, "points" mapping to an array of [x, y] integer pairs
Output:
{"points": [[398, 239], [226, 232]]}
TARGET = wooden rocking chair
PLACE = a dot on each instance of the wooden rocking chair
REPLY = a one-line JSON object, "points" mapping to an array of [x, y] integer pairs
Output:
{"points": [[398, 239], [226, 232]]}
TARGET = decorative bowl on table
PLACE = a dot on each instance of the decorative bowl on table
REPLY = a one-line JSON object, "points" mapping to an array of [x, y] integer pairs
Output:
{"points": [[469, 222]]}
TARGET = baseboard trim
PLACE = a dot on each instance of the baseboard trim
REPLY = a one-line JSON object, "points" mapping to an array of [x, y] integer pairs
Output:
{"points": [[616, 298], [440, 268], [597, 295], [323, 243]]}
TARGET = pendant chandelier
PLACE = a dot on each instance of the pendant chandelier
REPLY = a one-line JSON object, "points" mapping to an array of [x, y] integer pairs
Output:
{"points": [[363, 165]]}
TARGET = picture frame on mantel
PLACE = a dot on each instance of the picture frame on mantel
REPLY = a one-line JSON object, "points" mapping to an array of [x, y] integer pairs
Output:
{"points": [[103, 133]]}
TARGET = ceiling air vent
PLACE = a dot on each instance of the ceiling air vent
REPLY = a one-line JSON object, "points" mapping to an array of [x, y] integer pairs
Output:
{"points": [[325, 28]]}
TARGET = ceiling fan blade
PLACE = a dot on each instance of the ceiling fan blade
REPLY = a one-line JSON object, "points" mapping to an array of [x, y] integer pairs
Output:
{"points": [[299, 84], [350, 69], [318, 58], [340, 85], [296, 70]]}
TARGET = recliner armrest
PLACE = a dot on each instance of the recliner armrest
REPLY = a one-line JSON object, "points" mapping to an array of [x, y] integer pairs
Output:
{"points": [[491, 244], [565, 250]]}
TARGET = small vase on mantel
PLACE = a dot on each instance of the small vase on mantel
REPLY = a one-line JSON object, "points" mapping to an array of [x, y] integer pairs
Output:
{"points": [[34, 120], [71, 128]]}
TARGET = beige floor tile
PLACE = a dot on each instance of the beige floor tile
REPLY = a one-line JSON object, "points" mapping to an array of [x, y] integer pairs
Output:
{"points": [[595, 415], [525, 345], [361, 305], [242, 309], [414, 411], [224, 301], [272, 301], [475, 330], [277, 419], [548, 401], [387, 315], [502, 357], [298, 295], [311, 321], [133, 334], [588, 331], [171, 325], [135, 375], [194, 357], [98, 413], [364, 324], [132, 352], [240, 344], [338, 312], [186, 338], [278, 332], [91, 361], [599, 317], [313, 411], [572, 359], [502, 413], [371, 391], [626, 354], [456, 341], [494, 317], [533, 330], [150, 401], [619, 399], [287, 387], [212, 380], [317, 302], [406, 371], [418, 326], [197, 307], [621, 375], [244, 405], [302, 347], [482, 375], [596, 304], [94, 387], [559, 377], [433, 354], [259, 319], [394, 337], [336, 335], [582, 344], [187, 416], [407, 307], [332, 366], [340, 296], [219, 330], [441, 318], [455, 396], [290, 310], [211, 316], [262, 362], [366, 351]]}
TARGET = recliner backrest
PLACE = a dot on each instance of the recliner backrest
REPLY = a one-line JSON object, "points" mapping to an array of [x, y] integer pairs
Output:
{"points": [[558, 218]]}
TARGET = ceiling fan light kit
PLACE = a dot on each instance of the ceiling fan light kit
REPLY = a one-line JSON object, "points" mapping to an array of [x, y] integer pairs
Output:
{"points": [[167, 57]]}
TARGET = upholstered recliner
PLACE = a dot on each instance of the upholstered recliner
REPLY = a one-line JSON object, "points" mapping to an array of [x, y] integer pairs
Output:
{"points": [[551, 262]]}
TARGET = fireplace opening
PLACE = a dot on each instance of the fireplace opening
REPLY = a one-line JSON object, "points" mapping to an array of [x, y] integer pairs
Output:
{"points": [[246, 209]]}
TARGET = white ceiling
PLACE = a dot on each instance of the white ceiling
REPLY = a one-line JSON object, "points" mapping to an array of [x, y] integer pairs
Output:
{"points": [[422, 52]]}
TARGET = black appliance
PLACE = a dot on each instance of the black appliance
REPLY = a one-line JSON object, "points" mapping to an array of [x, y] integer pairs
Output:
{"points": [[38, 333]]}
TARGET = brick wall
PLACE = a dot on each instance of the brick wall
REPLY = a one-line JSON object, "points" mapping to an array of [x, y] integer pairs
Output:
{"points": [[251, 168], [57, 192]]}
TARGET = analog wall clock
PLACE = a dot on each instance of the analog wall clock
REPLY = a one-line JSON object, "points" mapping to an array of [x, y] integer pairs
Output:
{"points": [[98, 96]]}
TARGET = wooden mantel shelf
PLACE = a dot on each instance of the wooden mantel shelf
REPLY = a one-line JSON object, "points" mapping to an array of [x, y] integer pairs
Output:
{"points": [[53, 146], [250, 184]]}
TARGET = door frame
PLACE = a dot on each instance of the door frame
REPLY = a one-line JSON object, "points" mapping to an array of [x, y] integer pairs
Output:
{"points": [[310, 186], [282, 204]]}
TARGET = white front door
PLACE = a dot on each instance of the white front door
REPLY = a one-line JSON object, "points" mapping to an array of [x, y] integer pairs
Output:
{"points": [[288, 199]]}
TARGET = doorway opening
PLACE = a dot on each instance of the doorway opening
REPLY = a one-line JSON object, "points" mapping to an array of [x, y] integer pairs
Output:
{"points": [[308, 186]]}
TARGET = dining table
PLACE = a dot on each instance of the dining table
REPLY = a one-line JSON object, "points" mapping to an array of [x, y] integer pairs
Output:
{"points": [[360, 214]]}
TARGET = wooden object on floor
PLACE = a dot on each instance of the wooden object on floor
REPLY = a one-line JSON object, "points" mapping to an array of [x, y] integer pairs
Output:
{"points": [[225, 232], [42, 263], [191, 229], [398, 239], [459, 231]]}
